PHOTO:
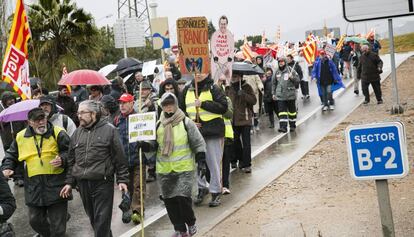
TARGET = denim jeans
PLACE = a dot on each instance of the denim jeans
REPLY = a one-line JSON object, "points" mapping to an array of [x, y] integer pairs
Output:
{"points": [[327, 98]]}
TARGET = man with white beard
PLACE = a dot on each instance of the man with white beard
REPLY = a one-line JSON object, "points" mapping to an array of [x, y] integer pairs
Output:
{"points": [[43, 148]]}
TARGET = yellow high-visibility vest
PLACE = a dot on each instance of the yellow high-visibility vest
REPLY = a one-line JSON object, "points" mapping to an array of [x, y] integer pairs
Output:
{"points": [[181, 159], [36, 165], [191, 109]]}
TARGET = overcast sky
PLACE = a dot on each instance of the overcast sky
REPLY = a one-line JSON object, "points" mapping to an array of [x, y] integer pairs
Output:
{"points": [[245, 17]]}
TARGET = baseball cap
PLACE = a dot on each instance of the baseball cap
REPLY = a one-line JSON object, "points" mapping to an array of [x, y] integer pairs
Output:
{"points": [[36, 114], [126, 98]]}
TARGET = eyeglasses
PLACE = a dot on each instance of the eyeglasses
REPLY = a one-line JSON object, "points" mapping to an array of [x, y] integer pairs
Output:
{"points": [[83, 112]]}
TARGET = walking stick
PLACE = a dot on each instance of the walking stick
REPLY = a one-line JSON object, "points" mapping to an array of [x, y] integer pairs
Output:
{"points": [[196, 96], [141, 169]]}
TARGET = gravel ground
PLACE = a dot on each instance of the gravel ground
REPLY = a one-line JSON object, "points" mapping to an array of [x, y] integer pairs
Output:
{"points": [[318, 197]]}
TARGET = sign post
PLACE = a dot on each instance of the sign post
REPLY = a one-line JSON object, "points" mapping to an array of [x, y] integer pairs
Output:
{"points": [[364, 10], [378, 152]]}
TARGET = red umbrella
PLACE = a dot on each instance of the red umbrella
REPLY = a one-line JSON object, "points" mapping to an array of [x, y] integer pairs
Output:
{"points": [[84, 77]]}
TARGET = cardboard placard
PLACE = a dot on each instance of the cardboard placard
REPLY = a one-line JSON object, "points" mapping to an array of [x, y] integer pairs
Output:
{"points": [[222, 48], [192, 34], [141, 127], [330, 50]]}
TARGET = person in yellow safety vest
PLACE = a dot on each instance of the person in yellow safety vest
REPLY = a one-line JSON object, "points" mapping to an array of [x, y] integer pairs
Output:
{"points": [[43, 148], [210, 106], [179, 146], [228, 138]]}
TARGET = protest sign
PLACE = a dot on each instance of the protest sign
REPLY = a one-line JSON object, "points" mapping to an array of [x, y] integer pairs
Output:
{"points": [[141, 127], [192, 34]]}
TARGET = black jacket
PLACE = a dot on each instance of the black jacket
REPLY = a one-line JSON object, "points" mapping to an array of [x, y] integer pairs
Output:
{"points": [[41, 190], [369, 67], [68, 105], [267, 84], [97, 153], [215, 127], [7, 201]]}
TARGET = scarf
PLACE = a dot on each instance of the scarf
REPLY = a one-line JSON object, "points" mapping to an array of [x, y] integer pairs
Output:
{"points": [[168, 124]]}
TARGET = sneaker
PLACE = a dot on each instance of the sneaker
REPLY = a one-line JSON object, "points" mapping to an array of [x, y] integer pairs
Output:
{"points": [[307, 97], [325, 108], [356, 92], [200, 197], [180, 234], [125, 207], [257, 128], [136, 218], [365, 102], [331, 107], [282, 130], [234, 165], [380, 102], [226, 191], [247, 170], [192, 230], [215, 200]]}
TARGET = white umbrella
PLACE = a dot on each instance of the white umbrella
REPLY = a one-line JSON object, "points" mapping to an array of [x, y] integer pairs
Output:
{"points": [[107, 69], [125, 79]]}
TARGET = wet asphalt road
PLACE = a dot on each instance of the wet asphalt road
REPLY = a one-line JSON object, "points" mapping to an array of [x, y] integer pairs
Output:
{"points": [[271, 160]]}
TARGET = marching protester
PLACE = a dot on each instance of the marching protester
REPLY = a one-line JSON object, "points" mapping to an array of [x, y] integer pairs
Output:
{"points": [[284, 91], [95, 156], [131, 150], [374, 45], [43, 147], [7, 207], [369, 70], [304, 80], [207, 111], [169, 85], [345, 57], [355, 55], [257, 85], [110, 108], [243, 98], [96, 92], [116, 87], [294, 65], [148, 104], [181, 84], [8, 134], [327, 79], [64, 100], [48, 105], [79, 94], [269, 104], [180, 146], [228, 138]]}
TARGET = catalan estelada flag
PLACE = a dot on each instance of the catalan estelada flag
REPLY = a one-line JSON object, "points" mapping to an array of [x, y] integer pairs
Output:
{"points": [[310, 48], [15, 70]]}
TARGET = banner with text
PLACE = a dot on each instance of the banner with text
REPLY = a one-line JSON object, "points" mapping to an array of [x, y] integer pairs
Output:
{"points": [[192, 34], [142, 127]]}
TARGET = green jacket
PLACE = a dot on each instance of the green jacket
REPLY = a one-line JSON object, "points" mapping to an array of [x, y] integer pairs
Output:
{"points": [[284, 84]]}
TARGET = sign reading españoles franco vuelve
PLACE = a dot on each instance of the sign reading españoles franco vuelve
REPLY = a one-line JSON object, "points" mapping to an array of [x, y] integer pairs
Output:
{"points": [[193, 47]]}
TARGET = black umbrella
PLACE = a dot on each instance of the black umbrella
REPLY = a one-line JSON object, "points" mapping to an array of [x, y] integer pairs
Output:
{"points": [[126, 63], [246, 68]]}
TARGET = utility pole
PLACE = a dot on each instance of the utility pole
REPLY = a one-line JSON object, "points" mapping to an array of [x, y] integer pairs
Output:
{"points": [[135, 8]]}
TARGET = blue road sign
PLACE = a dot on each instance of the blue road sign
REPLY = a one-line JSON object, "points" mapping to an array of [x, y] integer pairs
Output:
{"points": [[377, 151]]}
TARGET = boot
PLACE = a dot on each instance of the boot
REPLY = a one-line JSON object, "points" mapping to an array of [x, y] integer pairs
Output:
{"points": [[215, 200], [200, 197]]}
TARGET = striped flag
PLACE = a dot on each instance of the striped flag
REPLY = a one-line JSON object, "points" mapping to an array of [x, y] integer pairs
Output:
{"points": [[309, 49], [15, 70], [247, 52], [340, 43], [64, 73]]}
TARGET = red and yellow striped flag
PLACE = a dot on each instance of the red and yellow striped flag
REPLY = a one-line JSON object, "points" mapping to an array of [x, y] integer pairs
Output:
{"points": [[310, 48], [15, 70], [340, 43], [247, 51]]}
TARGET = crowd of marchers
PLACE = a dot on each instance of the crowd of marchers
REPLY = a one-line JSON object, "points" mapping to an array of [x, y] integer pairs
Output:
{"points": [[79, 138]]}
